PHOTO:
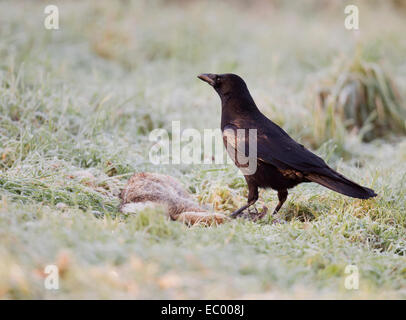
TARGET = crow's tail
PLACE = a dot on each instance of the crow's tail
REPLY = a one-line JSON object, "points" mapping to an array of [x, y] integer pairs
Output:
{"points": [[337, 182]]}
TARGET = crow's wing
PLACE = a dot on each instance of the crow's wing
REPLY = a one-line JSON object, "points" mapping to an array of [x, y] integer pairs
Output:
{"points": [[275, 147]]}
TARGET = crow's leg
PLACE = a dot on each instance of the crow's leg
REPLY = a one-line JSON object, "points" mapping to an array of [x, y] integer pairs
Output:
{"points": [[252, 198], [282, 196]]}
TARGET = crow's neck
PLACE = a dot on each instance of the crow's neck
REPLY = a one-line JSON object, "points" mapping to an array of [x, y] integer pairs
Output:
{"points": [[237, 107]]}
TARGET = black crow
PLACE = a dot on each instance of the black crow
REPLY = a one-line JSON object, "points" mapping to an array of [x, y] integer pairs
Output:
{"points": [[281, 162]]}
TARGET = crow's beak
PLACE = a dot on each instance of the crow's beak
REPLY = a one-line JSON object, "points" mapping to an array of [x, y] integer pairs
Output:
{"points": [[208, 77]]}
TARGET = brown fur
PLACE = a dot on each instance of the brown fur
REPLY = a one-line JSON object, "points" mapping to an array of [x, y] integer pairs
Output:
{"points": [[165, 190]]}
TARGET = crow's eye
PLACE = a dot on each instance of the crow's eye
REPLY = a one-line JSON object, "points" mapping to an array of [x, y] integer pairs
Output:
{"points": [[217, 79]]}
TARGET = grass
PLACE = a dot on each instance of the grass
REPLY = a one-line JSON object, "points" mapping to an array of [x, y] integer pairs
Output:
{"points": [[76, 108], [359, 96]]}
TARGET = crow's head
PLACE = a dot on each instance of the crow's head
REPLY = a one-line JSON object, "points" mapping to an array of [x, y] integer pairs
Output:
{"points": [[225, 84]]}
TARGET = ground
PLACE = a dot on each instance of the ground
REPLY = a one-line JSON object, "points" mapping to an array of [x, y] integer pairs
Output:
{"points": [[77, 106]]}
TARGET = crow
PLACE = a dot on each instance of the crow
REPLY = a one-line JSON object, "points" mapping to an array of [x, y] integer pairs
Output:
{"points": [[281, 162]]}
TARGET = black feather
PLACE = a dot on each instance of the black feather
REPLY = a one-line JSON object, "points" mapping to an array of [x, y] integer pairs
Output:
{"points": [[339, 183]]}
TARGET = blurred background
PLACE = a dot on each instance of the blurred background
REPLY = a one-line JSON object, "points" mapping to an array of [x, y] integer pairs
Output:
{"points": [[77, 105], [297, 58]]}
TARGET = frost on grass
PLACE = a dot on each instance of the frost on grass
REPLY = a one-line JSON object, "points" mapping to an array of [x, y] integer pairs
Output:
{"points": [[76, 108]]}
